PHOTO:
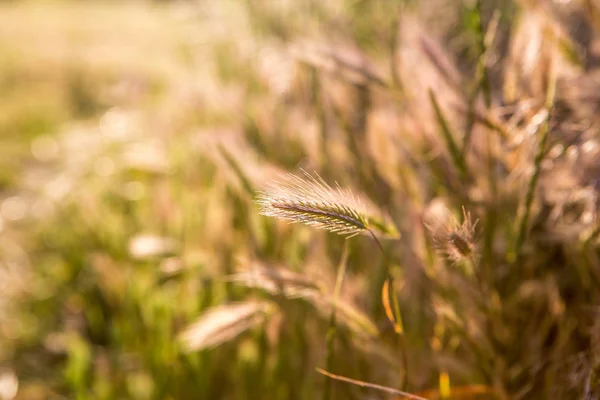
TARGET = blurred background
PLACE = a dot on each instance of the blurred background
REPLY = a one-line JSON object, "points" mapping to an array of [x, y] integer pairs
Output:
{"points": [[135, 135]]}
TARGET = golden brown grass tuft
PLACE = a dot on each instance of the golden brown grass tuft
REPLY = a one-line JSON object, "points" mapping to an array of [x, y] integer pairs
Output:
{"points": [[310, 200], [276, 281], [279, 281], [454, 240], [223, 323]]}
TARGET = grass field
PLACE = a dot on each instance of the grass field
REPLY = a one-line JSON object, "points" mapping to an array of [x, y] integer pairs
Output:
{"points": [[145, 153]]}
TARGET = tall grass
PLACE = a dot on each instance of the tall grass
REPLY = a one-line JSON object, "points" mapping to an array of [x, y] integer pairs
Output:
{"points": [[134, 259]]}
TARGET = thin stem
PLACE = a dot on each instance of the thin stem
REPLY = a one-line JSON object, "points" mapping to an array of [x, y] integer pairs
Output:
{"points": [[370, 385], [481, 62], [395, 310], [456, 154], [484, 42], [470, 119], [482, 82], [545, 129], [332, 330]]}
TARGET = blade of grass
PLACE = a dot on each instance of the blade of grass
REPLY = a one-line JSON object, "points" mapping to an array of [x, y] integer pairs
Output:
{"points": [[484, 41], [455, 153], [481, 73], [394, 314], [385, 299], [237, 169], [541, 152]]}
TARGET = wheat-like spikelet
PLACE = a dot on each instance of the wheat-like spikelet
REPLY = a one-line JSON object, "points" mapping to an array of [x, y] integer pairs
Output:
{"points": [[276, 281], [223, 323], [311, 201], [281, 281]]}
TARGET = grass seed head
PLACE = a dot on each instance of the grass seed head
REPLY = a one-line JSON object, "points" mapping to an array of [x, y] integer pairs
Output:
{"points": [[311, 201], [455, 241], [224, 323]]}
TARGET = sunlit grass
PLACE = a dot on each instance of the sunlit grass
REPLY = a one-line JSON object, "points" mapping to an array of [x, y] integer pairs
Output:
{"points": [[135, 138]]}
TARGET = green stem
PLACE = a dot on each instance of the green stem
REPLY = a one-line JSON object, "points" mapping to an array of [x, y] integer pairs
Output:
{"points": [[483, 83], [482, 71], [332, 330], [456, 154], [545, 129]]}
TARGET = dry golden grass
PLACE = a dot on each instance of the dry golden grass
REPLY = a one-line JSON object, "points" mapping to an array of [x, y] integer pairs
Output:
{"points": [[224, 323], [136, 137]]}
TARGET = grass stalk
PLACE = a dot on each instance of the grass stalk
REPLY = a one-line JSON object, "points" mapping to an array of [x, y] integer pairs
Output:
{"points": [[484, 42], [403, 395], [482, 80], [457, 156], [541, 152], [332, 329]]}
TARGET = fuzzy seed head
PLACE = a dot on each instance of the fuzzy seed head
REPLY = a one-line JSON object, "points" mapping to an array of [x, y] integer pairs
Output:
{"points": [[311, 201], [454, 240]]}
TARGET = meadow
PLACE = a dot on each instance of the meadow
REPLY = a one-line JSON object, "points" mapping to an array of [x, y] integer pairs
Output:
{"points": [[161, 165]]}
